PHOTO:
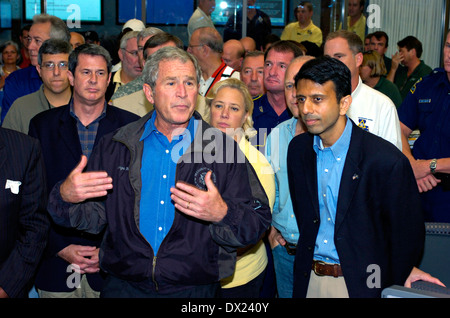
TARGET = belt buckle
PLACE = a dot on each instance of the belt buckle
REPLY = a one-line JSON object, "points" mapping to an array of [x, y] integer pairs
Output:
{"points": [[314, 267]]}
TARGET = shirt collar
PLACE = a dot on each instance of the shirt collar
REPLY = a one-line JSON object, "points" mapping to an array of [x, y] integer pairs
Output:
{"points": [[150, 128], [72, 112], [340, 147]]}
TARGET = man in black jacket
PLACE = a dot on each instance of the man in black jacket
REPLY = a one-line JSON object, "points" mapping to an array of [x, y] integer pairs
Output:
{"points": [[66, 133], [176, 197], [354, 195]]}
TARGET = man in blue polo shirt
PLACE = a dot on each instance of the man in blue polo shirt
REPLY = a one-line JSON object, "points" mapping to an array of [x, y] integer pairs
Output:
{"points": [[427, 108], [270, 109], [26, 81]]}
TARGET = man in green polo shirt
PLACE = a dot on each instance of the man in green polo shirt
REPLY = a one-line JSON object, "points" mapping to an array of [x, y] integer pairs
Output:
{"points": [[407, 67]]}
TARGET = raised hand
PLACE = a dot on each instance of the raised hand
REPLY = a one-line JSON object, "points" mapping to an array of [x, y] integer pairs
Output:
{"points": [[204, 205], [80, 186]]}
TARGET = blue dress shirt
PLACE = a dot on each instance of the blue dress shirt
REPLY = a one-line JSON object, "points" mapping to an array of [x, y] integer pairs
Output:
{"points": [[159, 162], [283, 218], [330, 164]]}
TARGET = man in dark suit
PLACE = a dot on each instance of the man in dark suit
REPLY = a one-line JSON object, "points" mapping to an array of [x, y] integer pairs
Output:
{"points": [[354, 195], [66, 133], [23, 218]]}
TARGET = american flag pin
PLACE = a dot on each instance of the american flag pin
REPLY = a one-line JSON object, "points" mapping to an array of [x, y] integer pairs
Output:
{"points": [[355, 176]]}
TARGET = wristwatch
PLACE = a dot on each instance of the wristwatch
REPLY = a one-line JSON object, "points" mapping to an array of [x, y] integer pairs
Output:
{"points": [[433, 164]]}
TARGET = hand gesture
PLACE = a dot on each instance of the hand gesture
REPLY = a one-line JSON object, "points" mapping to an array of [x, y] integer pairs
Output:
{"points": [[204, 205], [80, 186]]}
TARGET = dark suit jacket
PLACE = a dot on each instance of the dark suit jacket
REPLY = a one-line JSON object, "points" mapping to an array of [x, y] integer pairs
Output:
{"points": [[57, 131], [378, 219], [23, 217]]}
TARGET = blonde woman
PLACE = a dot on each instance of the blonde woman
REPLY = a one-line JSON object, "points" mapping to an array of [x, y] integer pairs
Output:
{"points": [[373, 72], [230, 108]]}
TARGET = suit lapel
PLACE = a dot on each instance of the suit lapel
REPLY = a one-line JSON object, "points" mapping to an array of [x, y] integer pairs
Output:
{"points": [[2, 152], [310, 166], [69, 134], [351, 176]]}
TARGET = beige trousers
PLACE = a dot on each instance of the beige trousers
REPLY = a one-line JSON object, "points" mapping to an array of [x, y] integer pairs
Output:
{"points": [[85, 291], [326, 287]]}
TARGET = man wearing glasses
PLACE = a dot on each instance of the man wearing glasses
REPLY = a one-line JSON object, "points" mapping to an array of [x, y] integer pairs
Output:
{"points": [[130, 67], [26, 81], [66, 133], [53, 60]]}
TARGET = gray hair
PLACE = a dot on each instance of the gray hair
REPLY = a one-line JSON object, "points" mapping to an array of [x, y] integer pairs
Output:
{"points": [[58, 30], [150, 31], [3, 47], [127, 36], [168, 53], [53, 46], [211, 38]]}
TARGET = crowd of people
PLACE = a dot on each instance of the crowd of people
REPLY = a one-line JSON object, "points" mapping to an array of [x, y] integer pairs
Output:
{"points": [[226, 167]]}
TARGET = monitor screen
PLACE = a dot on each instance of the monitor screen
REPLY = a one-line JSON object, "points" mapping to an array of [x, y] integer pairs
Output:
{"points": [[86, 11], [275, 9], [174, 12], [5, 15]]}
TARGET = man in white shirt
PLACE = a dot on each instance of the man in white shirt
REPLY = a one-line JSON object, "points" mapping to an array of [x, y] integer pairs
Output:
{"points": [[201, 16], [370, 109]]}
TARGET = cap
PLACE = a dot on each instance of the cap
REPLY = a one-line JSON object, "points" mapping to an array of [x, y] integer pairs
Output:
{"points": [[134, 24]]}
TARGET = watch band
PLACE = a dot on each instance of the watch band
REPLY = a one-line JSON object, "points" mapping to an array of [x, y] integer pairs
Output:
{"points": [[433, 165]]}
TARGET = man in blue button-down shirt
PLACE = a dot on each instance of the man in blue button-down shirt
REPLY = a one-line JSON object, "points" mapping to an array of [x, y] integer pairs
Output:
{"points": [[284, 231], [353, 193], [153, 247]]}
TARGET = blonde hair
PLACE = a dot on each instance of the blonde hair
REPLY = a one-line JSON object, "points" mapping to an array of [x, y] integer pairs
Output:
{"points": [[237, 84], [374, 60]]}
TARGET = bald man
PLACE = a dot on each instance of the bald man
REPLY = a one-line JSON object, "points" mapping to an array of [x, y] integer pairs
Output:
{"points": [[76, 39], [233, 54], [249, 44]]}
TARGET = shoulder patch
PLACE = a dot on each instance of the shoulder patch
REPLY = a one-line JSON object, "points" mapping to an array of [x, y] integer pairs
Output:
{"points": [[413, 88]]}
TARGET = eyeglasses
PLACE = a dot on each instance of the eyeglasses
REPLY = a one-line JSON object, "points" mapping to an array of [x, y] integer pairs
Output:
{"points": [[134, 53], [191, 46], [51, 65]]}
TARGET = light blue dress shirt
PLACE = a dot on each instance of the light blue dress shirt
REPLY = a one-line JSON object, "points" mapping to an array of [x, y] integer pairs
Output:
{"points": [[283, 218], [159, 161], [330, 164]]}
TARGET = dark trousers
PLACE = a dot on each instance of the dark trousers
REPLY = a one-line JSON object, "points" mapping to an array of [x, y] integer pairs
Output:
{"points": [[118, 288], [250, 290]]}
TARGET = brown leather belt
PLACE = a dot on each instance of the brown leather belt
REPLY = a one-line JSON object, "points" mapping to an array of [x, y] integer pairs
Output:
{"points": [[323, 269]]}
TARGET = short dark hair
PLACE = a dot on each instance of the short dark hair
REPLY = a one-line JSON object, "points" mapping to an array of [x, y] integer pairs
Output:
{"points": [[411, 42], [284, 46], [323, 69], [89, 49], [160, 39], [54, 46], [306, 4], [381, 34]]}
